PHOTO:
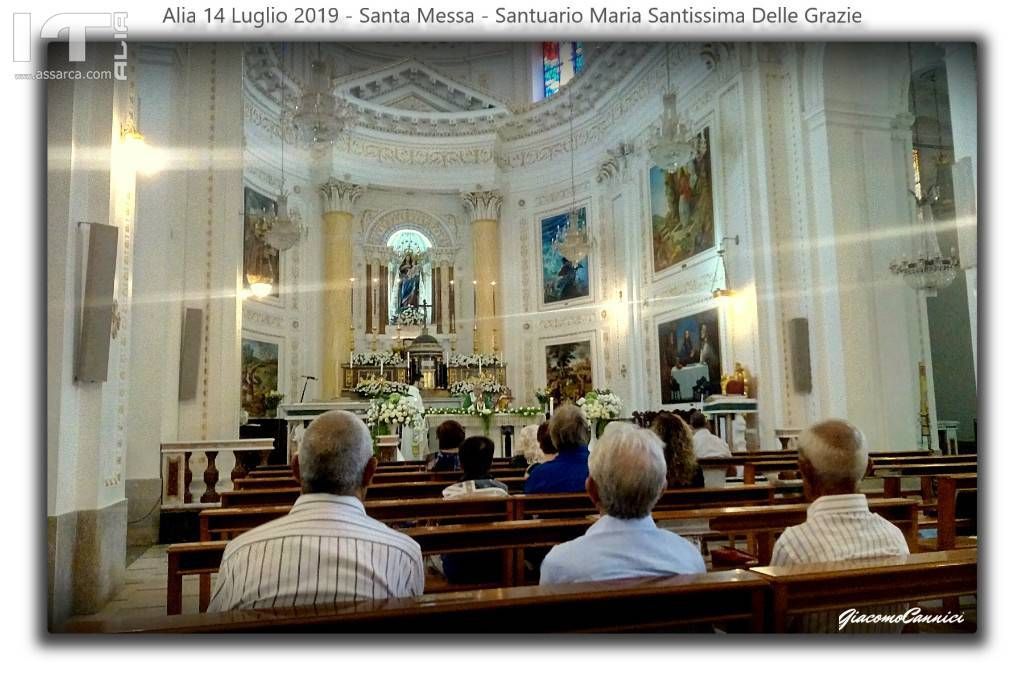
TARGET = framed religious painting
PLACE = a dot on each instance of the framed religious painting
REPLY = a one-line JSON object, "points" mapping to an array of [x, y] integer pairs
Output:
{"points": [[690, 358], [259, 375], [569, 370], [682, 212], [261, 262], [565, 259]]}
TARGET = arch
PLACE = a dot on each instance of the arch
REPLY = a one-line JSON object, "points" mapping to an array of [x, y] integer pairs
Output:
{"points": [[379, 230]]}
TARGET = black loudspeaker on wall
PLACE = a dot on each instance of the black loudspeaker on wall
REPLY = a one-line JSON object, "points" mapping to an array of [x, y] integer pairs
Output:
{"points": [[191, 341], [99, 245], [800, 355]]}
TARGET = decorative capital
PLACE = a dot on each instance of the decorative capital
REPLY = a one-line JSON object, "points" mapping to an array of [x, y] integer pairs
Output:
{"points": [[337, 195], [482, 204]]}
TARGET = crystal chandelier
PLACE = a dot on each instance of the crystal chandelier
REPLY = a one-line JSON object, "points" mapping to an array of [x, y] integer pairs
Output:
{"points": [[673, 144], [283, 231], [929, 271], [319, 117], [571, 242]]}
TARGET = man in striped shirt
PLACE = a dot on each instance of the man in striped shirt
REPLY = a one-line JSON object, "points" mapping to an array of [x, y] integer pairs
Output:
{"points": [[326, 551], [833, 457]]}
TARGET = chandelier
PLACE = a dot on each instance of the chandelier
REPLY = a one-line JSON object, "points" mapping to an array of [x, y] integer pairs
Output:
{"points": [[929, 271], [673, 145], [282, 232], [572, 242], [318, 116]]}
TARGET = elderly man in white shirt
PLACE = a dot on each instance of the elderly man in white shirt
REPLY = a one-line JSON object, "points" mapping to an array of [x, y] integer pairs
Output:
{"points": [[627, 476], [326, 550], [833, 457], [705, 443]]}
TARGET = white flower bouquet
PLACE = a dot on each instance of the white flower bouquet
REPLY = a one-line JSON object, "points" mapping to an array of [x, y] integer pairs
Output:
{"points": [[377, 359], [472, 360], [377, 387], [394, 410], [600, 404], [487, 384], [410, 316]]}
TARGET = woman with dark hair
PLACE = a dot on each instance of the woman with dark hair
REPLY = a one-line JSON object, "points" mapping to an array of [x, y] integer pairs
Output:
{"points": [[450, 435], [546, 445], [683, 470]]}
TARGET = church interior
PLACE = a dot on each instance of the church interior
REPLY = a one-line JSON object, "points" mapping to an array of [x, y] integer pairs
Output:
{"points": [[243, 236]]}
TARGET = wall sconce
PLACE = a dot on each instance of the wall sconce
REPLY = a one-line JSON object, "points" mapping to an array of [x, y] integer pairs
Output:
{"points": [[724, 291]]}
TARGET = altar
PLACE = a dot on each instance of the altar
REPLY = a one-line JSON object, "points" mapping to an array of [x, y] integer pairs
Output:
{"points": [[728, 414]]}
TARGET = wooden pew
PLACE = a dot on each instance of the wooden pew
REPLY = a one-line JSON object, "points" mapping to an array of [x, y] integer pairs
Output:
{"points": [[219, 523], [288, 495], [513, 537], [625, 605], [260, 482], [807, 589], [892, 475], [950, 488]]}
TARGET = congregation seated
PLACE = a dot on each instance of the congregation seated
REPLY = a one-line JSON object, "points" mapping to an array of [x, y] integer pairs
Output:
{"points": [[833, 457], [545, 446], [475, 454], [567, 472], [450, 435], [705, 443], [326, 549], [682, 468], [627, 477]]}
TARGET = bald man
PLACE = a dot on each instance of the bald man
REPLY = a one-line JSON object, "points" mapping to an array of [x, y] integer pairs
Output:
{"points": [[833, 457]]}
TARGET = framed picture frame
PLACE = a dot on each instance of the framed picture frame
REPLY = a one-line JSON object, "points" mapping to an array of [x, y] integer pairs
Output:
{"points": [[681, 211], [563, 283], [570, 364], [261, 370], [689, 356]]}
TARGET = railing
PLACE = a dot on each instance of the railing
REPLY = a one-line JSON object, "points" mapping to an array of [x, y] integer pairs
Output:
{"points": [[195, 473]]}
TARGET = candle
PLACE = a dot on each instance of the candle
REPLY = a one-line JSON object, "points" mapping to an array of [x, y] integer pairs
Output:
{"points": [[551, 406], [350, 360], [352, 298], [407, 359], [447, 359], [382, 368], [494, 305], [474, 303], [479, 366]]}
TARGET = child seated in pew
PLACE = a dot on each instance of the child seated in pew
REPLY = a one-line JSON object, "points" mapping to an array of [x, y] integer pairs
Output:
{"points": [[475, 455], [450, 435]]}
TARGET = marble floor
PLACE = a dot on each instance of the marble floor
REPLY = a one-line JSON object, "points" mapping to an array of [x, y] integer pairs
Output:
{"points": [[144, 592]]}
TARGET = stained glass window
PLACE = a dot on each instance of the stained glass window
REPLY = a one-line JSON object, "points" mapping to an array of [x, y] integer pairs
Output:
{"points": [[561, 60]]}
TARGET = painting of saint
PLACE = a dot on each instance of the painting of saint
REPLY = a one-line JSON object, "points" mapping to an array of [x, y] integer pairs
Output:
{"points": [[690, 358], [682, 217], [258, 257], [569, 371], [563, 279], [408, 282], [259, 375]]}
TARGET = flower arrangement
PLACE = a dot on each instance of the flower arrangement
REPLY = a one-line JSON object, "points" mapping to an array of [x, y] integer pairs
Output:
{"points": [[396, 409], [377, 359], [271, 399], [525, 411], [543, 395], [410, 316], [600, 404], [487, 384], [469, 360], [376, 387]]}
